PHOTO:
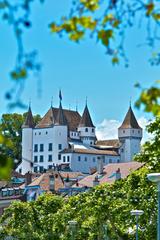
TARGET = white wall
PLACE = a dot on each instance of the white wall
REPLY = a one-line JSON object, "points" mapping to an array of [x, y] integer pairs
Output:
{"points": [[74, 135], [83, 133], [27, 139], [55, 135], [87, 137], [130, 132], [131, 139], [88, 161]]}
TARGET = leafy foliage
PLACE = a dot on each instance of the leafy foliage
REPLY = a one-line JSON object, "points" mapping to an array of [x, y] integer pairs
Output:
{"points": [[107, 21], [150, 99], [10, 141], [16, 14], [104, 205]]}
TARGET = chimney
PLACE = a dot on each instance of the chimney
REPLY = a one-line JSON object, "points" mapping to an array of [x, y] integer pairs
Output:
{"points": [[118, 174], [100, 165], [28, 178], [72, 147], [95, 181], [51, 182]]}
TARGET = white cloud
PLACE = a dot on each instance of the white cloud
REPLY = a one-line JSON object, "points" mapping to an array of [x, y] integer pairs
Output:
{"points": [[108, 129]]}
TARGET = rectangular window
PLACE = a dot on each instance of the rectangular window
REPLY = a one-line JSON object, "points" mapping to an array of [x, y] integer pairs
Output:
{"points": [[85, 159], [94, 159], [41, 158], [79, 158], [10, 192], [41, 169], [59, 156], [17, 192], [35, 147], [50, 147], [4, 193], [68, 158], [49, 158], [64, 158], [35, 169], [35, 158], [41, 147], [59, 146]]}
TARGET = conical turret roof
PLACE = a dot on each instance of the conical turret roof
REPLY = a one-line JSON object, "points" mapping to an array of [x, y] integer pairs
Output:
{"points": [[60, 119], [86, 120], [29, 121], [130, 120]]}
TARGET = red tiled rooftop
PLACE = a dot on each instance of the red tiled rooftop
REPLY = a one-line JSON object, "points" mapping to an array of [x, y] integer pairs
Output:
{"points": [[108, 170]]}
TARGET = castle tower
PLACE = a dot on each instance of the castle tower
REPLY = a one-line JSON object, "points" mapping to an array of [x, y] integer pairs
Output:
{"points": [[27, 142], [130, 135], [60, 133], [86, 128]]}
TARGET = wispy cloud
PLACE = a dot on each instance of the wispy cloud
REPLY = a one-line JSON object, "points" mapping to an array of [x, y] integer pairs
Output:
{"points": [[108, 129]]}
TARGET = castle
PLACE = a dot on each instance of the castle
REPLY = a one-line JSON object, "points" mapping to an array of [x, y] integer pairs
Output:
{"points": [[65, 137]]}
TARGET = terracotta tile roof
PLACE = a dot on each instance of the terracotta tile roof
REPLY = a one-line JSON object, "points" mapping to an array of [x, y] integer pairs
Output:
{"points": [[108, 170], [109, 143], [130, 120], [86, 120], [29, 122], [90, 151], [16, 174], [73, 118], [44, 180]]}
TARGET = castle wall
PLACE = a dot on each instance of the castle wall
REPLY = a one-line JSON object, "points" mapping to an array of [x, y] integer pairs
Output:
{"points": [[85, 162], [54, 140]]}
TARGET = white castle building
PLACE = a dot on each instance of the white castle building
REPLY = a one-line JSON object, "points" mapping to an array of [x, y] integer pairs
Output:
{"points": [[65, 137]]}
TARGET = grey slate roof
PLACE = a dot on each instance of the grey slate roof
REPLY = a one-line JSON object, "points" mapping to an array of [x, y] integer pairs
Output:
{"points": [[130, 121]]}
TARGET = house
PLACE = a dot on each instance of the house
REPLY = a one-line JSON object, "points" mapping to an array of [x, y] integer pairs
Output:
{"points": [[59, 182], [109, 174]]}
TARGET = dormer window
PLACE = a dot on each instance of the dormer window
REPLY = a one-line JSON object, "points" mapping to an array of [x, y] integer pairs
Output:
{"points": [[86, 129], [92, 130]]}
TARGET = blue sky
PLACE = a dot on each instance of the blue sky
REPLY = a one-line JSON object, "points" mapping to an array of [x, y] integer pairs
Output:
{"points": [[80, 70]]}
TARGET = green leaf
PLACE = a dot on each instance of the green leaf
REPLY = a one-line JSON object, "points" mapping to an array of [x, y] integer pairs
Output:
{"points": [[105, 35], [115, 60], [76, 36]]}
